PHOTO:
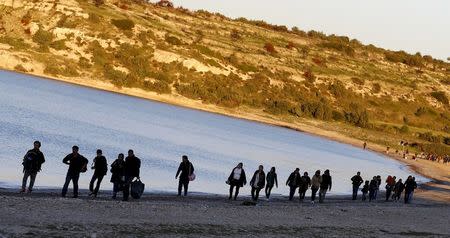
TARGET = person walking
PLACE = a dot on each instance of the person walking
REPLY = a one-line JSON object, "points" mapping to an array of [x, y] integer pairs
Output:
{"points": [[186, 169], [118, 174], [32, 164], [257, 182], [77, 164], [132, 170], [399, 187], [293, 182], [378, 186], [356, 182], [237, 179], [410, 185], [390, 184], [316, 180], [100, 167], [325, 185], [305, 184], [373, 186], [271, 181], [365, 190]]}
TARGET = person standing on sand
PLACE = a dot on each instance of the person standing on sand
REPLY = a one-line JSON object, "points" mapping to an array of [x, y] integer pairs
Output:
{"points": [[132, 170], [365, 190], [77, 164], [410, 185], [237, 179], [356, 182], [399, 186], [257, 182], [325, 185], [305, 184], [390, 184], [118, 174], [32, 163], [100, 166], [378, 187], [373, 186], [271, 181], [316, 180], [364, 145], [293, 182], [186, 169]]}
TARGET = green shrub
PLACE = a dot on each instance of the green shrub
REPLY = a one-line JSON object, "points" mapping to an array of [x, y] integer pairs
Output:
{"points": [[172, 40], [337, 116], [338, 89], [404, 129], [428, 136], [94, 18], [358, 81], [43, 38], [160, 87], [440, 96], [16, 43], [376, 88], [58, 45], [405, 58], [100, 56], [116, 77], [357, 115], [278, 107], [84, 63], [339, 46], [318, 110], [270, 48], [123, 24], [309, 76]]}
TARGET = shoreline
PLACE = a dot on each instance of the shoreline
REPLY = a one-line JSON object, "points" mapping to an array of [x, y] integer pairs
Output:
{"points": [[431, 171]]}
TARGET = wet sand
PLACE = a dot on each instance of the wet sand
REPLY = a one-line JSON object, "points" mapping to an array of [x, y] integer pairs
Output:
{"points": [[45, 214]]}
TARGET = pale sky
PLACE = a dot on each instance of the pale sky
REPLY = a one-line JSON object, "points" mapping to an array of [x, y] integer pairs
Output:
{"points": [[410, 25]]}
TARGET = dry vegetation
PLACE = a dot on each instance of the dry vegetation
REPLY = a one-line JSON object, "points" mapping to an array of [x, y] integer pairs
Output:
{"points": [[355, 89]]}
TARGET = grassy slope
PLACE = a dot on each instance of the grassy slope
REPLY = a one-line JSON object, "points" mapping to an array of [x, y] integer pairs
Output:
{"points": [[328, 82]]}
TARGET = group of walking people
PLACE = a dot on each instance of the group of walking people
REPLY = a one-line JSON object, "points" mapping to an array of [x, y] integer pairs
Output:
{"points": [[126, 169]]}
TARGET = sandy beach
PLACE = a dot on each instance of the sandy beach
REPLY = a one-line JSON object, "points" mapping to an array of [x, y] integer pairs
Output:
{"points": [[45, 214]]}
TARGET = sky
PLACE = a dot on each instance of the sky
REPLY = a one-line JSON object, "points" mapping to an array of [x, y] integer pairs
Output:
{"points": [[410, 25]]}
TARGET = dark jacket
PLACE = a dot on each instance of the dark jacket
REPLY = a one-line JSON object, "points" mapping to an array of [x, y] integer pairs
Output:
{"points": [[272, 179], [75, 162], [306, 182], [117, 171], [357, 180], [132, 167], [294, 180], [186, 170], [242, 180], [373, 185], [410, 185], [100, 165], [261, 181], [365, 188], [399, 186], [33, 160], [326, 182]]}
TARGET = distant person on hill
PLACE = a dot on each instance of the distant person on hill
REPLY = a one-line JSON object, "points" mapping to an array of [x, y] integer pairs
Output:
{"points": [[100, 166], [187, 170], [132, 170], [294, 182], [271, 181], [257, 182], [390, 184], [373, 186], [325, 185], [364, 145], [32, 163], [410, 185], [237, 179], [378, 187], [305, 184], [316, 180], [118, 174], [356, 182], [77, 164], [398, 189], [365, 190]]}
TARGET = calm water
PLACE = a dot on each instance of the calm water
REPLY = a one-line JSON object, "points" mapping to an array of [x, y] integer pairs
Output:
{"points": [[61, 115]]}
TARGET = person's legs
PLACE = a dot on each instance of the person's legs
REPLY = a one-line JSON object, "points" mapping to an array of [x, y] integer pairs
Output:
{"points": [[237, 192], [388, 194], [186, 185], [257, 194], [355, 192], [32, 179], [253, 193], [231, 191], [375, 194], [91, 184], [126, 189], [97, 187], [66, 185], [410, 196], [291, 192], [115, 189], [75, 185], [322, 193], [313, 193], [24, 180], [364, 196], [268, 190], [180, 187]]}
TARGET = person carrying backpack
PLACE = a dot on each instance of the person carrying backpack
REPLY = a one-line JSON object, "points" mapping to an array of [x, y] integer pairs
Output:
{"points": [[293, 182], [316, 180], [325, 185], [399, 187], [257, 182], [77, 164], [271, 181], [187, 170], [118, 174], [100, 166], [32, 163], [390, 184], [237, 179], [365, 190], [373, 187], [305, 184], [132, 170], [356, 182], [410, 185]]}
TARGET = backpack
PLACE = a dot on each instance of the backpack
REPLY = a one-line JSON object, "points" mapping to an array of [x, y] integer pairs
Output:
{"points": [[137, 189]]}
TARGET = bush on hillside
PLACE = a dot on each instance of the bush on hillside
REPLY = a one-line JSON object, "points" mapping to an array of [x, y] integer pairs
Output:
{"points": [[405, 58], [376, 88], [270, 48], [357, 115], [172, 40], [440, 96], [309, 76], [123, 24], [43, 38]]}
